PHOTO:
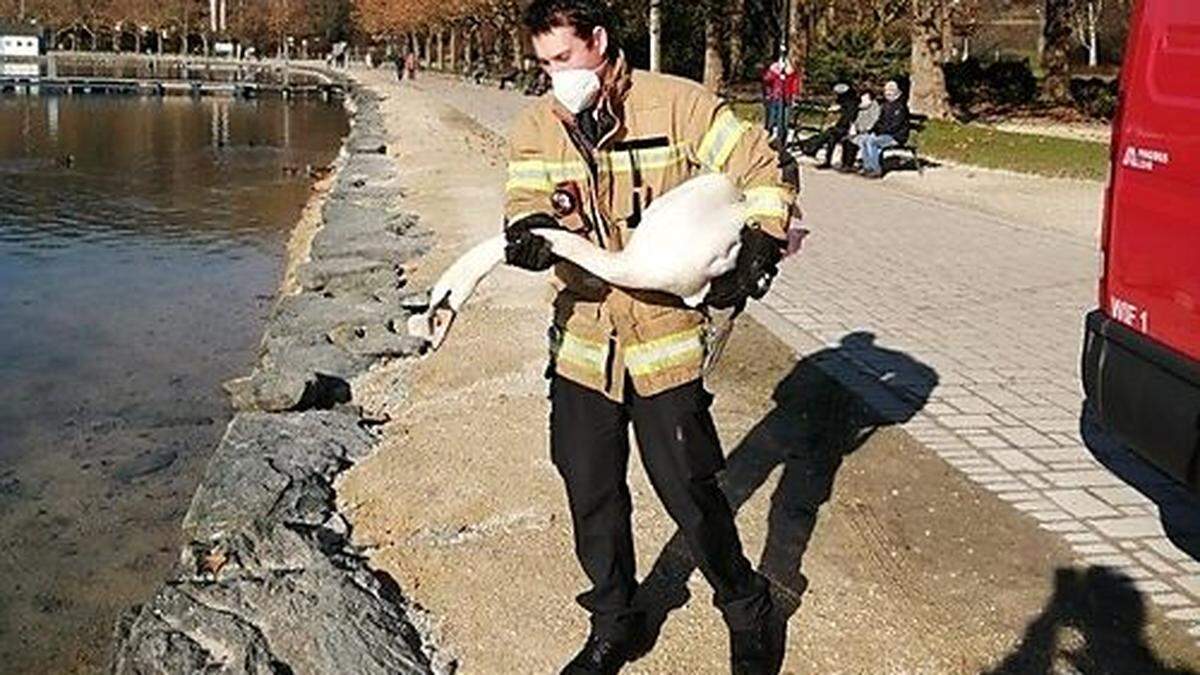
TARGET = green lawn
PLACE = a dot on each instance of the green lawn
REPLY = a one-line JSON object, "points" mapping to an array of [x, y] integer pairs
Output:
{"points": [[980, 146], [1026, 153]]}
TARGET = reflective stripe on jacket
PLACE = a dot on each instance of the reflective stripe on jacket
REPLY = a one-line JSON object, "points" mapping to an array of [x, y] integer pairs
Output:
{"points": [[667, 130]]}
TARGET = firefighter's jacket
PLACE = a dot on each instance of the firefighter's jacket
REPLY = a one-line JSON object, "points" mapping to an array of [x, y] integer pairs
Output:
{"points": [[664, 130]]}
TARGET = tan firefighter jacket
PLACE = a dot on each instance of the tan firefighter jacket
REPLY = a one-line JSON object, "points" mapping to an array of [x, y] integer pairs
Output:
{"points": [[667, 129]]}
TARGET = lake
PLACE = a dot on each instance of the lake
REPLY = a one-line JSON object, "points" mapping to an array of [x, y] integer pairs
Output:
{"points": [[141, 244]]}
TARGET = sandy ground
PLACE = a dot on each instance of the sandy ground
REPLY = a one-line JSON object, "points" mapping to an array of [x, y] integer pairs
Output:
{"points": [[884, 559], [299, 243]]}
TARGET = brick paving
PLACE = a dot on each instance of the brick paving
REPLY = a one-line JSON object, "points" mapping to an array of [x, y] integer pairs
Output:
{"points": [[966, 329]]}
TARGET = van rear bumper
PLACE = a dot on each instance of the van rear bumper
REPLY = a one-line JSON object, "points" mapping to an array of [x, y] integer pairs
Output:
{"points": [[1145, 393]]}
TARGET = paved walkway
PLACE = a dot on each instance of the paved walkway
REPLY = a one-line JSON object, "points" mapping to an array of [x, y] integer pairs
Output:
{"points": [[990, 301]]}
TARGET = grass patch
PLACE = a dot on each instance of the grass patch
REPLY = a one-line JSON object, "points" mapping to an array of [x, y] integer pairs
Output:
{"points": [[989, 148], [1026, 153]]}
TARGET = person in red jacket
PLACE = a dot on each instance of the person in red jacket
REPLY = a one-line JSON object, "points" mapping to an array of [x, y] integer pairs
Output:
{"points": [[781, 88]]}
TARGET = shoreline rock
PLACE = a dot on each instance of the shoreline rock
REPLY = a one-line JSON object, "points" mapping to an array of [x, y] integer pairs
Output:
{"points": [[268, 581]]}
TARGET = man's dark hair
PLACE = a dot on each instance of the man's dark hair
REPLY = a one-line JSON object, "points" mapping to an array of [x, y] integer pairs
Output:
{"points": [[584, 16]]}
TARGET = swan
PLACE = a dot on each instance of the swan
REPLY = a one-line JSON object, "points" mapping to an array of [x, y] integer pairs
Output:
{"points": [[686, 238]]}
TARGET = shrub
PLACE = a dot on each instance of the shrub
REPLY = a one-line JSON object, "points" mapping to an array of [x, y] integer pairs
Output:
{"points": [[1095, 97], [1002, 83]]}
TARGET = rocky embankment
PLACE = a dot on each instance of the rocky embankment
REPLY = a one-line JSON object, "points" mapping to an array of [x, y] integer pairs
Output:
{"points": [[268, 581]]}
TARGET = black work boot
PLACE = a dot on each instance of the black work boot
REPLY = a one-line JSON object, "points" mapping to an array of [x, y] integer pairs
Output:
{"points": [[599, 655], [608, 654], [750, 649]]}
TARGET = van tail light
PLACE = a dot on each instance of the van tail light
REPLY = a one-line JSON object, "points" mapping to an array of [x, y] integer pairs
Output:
{"points": [[1114, 167]]}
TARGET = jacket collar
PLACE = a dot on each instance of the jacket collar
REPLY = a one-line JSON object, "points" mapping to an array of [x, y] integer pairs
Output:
{"points": [[613, 90]]}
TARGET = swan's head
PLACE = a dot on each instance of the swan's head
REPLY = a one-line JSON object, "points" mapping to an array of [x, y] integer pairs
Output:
{"points": [[434, 324]]}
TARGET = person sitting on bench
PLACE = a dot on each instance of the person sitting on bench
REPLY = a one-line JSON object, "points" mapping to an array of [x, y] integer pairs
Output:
{"points": [[890, 131], [847, 109], [864, 121]]}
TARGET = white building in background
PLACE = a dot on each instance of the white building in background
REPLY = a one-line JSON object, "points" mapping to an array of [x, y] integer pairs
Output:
{"points": [[18, 42]]}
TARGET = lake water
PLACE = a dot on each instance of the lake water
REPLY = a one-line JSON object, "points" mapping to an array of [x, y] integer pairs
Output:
{"points": [[141, 244]]}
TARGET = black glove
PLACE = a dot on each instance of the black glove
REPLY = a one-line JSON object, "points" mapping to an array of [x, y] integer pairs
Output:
{"points": [[757, 265], [526, 249]]}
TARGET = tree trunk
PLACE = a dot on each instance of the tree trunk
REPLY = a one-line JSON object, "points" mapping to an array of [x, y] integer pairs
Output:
{"points": [[928, 84], [737, 23], [441, 49], [797, 36], [1093, 49], [655, 36], [517, 50], [429, 47], [714, 70], [1056, 64], [454, 49]]}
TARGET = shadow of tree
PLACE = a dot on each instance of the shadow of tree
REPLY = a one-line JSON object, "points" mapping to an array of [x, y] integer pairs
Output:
{"points": [[830, 403], [1093, 623], [1179, 509]]}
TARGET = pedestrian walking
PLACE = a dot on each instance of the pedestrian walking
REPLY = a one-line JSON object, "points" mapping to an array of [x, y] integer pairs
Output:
{"points": [[410, 65], [590, 159]]}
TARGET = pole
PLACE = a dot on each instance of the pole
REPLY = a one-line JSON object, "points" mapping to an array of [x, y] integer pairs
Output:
{"points": [[655, 36], [783, 53]]}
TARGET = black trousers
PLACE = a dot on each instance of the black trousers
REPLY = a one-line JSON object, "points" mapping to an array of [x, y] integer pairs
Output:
{"points": [[589, 444], [827, 139]]}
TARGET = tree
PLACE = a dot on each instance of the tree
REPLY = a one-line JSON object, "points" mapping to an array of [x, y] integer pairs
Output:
{"points": [[737, 25], [1056, 61], [714, 69], [797, 36], [927, 88], [1085, 22], [656, 35]]}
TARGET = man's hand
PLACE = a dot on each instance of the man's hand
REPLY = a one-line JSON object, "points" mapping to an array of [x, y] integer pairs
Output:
{"points": [[757, 264], [526, 249]]}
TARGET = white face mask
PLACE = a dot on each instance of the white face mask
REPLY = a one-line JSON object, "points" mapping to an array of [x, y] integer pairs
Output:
{"points": [[576, 89]]}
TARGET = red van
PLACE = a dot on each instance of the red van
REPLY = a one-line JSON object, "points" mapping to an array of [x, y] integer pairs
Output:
{"points": [[1141, 360]]}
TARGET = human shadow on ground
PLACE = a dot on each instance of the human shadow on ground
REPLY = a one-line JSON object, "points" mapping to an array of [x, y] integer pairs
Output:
{"points": [[828, 406], [1093, 623], [1179, 509]]}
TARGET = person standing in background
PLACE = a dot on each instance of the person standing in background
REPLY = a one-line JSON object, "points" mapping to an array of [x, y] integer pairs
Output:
{"points": [[410, 65], [773, 95], [781, 88]]}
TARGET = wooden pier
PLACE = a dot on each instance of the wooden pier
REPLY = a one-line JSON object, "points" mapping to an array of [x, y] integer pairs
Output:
{"points": [[59, 75], [146, 87]]}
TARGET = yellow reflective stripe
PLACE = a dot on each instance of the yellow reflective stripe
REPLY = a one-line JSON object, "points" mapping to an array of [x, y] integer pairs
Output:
{"points": [[666, 352], [720, 140], [649, 159], [767, 202], [582, 353], [536, 174]]}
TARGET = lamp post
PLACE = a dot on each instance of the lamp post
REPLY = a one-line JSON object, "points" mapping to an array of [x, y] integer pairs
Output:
{"points": [[784, 35]]}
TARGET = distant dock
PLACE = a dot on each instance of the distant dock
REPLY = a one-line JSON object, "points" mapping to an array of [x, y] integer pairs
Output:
{"points": [[82, 73]]}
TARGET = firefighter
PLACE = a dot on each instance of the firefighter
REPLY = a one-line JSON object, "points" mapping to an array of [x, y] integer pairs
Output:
{"points": [[590, 159]]}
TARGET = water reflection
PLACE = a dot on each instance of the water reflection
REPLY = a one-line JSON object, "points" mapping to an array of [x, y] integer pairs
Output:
{"points": [[140, 244]]}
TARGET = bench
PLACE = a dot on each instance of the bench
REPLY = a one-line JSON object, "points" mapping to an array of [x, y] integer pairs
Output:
{"points": [[916, 124]]}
